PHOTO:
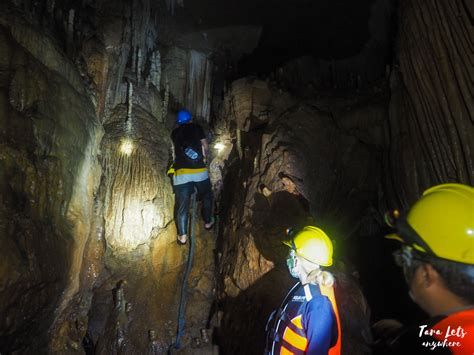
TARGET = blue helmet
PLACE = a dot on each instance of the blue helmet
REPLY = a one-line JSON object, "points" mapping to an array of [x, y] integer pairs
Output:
{"points": [[183, 117]]}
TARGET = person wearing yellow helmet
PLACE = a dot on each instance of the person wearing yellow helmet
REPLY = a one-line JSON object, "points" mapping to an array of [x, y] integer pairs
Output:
{"points": [[308, 319], [437, 257]]}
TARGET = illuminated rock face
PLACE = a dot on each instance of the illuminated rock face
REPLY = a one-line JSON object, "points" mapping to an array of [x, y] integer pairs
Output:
{"points": [[88, 243], [300, 164], [50, 138], [138, 196], [88, 253]]}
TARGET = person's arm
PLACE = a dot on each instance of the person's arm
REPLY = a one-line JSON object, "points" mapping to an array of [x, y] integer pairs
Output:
{"points": [[319, 321], [173, 154], [202, 138], [205, 149]]}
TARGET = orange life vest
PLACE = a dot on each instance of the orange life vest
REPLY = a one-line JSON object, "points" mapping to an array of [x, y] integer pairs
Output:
{"points": [[457, 329], [293, 340]]}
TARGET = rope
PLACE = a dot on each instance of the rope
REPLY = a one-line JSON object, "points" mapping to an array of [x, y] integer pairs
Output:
{"points": [[189, 265]]}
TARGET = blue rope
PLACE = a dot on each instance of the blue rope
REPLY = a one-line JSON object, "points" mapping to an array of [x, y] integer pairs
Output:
{"points": [[182, 302]]}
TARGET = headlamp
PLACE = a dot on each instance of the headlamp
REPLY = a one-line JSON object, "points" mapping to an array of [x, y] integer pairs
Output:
{"points": [[405, 233]]}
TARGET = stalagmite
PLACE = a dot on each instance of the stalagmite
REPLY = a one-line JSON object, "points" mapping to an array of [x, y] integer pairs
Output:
{"points": [[155, 347]]}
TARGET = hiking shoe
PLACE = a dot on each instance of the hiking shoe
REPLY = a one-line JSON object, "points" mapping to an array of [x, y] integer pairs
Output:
{"points": [[182, 239]]}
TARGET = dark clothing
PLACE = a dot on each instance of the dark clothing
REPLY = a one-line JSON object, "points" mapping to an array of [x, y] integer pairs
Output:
{"points": [[307, 323], [190, 174], [452, 334], [187, 138], [183, 194]]}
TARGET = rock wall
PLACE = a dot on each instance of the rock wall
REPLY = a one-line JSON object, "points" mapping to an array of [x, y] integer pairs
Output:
{"points": [[189, 76], [49, 174], [89, 254], [431, 107], [297, 161]]}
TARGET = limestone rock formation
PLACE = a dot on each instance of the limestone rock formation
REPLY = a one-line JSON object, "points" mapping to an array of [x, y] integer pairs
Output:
{"points": [[88, 95], [301, 164], [89, 254], [431, 106], [50, 175]]}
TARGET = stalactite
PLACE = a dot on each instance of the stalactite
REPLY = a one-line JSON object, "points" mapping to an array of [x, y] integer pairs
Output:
{"points": [[198, 84], [129, 108], [164, 113], [171, 5], [239, 144], [139, 66], [70, 30], [155, 69], [51, 5], [134, 58]]}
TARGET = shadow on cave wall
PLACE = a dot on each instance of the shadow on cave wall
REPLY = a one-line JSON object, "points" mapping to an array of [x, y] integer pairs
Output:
{"points": [[242, 329], [363, 268], [243, 326]]}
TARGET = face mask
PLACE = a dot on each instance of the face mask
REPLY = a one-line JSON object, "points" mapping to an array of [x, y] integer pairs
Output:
{"points": [[291, 264]]}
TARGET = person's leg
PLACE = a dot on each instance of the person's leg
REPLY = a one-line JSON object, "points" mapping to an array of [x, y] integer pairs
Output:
{"points": [[182, 194], [205, 190]]}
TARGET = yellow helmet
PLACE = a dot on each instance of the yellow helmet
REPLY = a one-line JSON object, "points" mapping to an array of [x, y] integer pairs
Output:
{"points": [[441, 223], [312, 244]]}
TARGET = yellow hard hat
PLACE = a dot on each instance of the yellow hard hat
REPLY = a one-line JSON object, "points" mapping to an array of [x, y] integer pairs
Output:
{"points": [[312, 244], [441, 223]]}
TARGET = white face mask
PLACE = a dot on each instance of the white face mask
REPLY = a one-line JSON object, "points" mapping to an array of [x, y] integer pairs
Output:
{"points": [[291, 264]]}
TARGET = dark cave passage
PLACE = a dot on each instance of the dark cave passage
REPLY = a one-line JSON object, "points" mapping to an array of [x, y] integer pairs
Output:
{"points": [[325, 113]]}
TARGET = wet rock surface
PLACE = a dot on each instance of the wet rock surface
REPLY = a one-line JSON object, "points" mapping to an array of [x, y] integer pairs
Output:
{"points": [[50, 171], [300, 164], [89, 245], [88, 92]]}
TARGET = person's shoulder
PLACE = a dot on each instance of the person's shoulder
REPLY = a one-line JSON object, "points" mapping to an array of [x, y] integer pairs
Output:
{"points": [[318, 300], [196, 125], [176, 129]]}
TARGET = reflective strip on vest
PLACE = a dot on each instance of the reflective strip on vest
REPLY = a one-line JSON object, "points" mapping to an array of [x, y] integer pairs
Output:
{"points": [[461, 329], [285, 351], [183, 176], [296, 340], [297, 321], [329, 293], [190, 171], [293, 343]]}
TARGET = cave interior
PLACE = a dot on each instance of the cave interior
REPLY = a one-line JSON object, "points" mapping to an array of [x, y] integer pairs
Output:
{"points": [[323, 112]]}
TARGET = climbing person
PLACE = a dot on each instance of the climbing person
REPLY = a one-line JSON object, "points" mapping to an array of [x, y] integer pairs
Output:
{"points": [[437, 258], [308, 320], [190, 153]]}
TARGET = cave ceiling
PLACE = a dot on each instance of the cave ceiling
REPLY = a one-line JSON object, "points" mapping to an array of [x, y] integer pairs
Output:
{"points": [[326, 29]]}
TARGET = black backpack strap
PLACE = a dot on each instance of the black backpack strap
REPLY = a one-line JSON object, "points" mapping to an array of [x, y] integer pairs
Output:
{"points": [[279, 314]]}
